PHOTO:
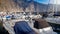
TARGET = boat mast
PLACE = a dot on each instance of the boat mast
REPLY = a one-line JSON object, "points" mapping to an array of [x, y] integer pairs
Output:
{"points": [[56, 5], [53, 8], [48, 7]]}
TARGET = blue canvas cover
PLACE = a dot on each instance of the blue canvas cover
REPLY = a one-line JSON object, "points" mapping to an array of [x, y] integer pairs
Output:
{"points": [[22, 27]]}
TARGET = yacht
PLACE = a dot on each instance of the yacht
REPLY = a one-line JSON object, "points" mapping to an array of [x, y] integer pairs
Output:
{"points": [[54, 21]]}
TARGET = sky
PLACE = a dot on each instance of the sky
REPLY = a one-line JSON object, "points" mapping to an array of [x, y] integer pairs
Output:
{"points": [[42, 1], [49, 1]]}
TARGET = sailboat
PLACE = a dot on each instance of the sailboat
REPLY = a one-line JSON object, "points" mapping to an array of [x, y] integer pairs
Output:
{"points": [[53, 20]]}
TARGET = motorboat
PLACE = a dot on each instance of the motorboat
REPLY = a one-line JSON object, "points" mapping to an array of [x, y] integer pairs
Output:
{"points": [[54, 21]]}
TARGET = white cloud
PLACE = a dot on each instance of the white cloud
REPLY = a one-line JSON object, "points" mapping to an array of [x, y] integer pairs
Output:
{"points": [[55, 1]]}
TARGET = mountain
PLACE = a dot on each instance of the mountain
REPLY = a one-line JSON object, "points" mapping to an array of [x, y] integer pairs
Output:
{"points": [[27, 6], [41, 7]]}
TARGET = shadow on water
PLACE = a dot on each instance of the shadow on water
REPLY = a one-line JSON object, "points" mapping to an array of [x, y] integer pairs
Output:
{"points": [[2, 29], [55, 26]]}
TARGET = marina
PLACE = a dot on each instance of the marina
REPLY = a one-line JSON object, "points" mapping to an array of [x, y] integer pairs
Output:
{"points": [[29, 17]]}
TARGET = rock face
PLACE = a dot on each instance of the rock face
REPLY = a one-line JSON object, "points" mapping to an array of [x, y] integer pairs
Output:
{"points": [[21, 5], [25, 5], [16, 5], [8, 5]]}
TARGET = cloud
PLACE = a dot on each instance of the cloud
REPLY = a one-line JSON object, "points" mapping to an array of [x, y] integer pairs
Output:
{"points": [[55, 1]]}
